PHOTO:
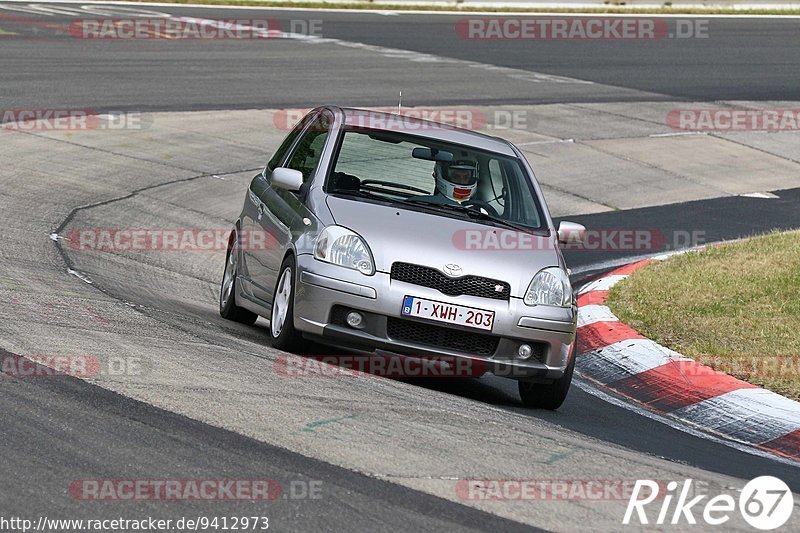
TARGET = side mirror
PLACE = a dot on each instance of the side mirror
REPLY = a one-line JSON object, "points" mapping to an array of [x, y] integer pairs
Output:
{"points": [[286, 178], [570, 232]]}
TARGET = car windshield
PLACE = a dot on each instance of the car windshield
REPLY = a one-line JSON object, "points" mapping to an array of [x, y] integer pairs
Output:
{"points": [[453, 179]]}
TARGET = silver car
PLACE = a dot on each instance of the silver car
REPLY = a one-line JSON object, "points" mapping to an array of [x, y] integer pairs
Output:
{"points": [[385, 234]]}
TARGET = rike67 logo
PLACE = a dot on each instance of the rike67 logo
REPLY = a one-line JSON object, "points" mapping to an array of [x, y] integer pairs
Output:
{"points": [[765, 503]]}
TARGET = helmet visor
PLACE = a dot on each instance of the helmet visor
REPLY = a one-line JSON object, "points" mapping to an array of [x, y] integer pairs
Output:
{"points": [[462, 173]]}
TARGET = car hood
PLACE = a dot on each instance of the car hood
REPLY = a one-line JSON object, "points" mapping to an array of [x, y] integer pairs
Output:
{"points": [[399, 234]]}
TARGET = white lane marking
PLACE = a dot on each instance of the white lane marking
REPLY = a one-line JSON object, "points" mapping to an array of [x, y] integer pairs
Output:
{"points": [[765, 195], [554, 141], [678, 134], [602, 284], [589, 314], [44, 9], [607, 265], [662, 257], [108, 117], [458, 13], [626, 358], [681, 426], [80, 276], [623, 261], [749, 415], [408, 55]]}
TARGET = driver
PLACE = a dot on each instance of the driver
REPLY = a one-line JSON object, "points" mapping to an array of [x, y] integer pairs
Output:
{"points": [[455, 182]]}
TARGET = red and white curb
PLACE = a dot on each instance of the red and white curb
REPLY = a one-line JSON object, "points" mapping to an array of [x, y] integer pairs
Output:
{"points": [[617, 357]]}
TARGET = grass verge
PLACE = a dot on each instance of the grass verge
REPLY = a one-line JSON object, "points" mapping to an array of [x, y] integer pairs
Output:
{"points": [[667, 10], [733, 307]]}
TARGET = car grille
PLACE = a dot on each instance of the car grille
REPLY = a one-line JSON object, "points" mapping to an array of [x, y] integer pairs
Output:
{"points": [[439, 337], [465, 285]]}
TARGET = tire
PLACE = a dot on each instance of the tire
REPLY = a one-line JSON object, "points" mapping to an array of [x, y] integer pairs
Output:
{"points": [[281, 325], [548, 396], [227, 291]]}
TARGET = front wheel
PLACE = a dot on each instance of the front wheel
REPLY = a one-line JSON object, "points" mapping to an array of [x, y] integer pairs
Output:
{"points": [[281, 324], [548, 396]]}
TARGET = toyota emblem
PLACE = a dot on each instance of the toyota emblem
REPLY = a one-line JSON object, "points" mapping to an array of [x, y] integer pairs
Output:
{"points": [[451, 269]]}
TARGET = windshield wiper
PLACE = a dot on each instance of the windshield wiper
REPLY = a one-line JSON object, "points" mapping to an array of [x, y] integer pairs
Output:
{"points": [[360, 193], [473, 213]]}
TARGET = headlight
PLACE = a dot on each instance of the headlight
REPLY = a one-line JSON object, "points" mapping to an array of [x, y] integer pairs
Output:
{"points": [[342, 247], [550, 286]]}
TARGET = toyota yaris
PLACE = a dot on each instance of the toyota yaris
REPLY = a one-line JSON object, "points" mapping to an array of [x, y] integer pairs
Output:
{"points": [[389, 234]]}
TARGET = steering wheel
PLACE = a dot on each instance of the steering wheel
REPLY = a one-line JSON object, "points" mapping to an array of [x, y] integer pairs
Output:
{"points": [[480, 203]]}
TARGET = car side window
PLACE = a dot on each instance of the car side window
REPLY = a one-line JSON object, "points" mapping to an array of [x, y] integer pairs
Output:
{"points": [[308, 152], [285, 146], [497, 187]]}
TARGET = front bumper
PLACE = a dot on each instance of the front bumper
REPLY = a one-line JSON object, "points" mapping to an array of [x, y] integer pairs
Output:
{"points": [[324, 293]]}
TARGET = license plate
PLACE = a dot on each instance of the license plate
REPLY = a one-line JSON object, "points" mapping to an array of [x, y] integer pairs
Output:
{"points": [[448, 313]]}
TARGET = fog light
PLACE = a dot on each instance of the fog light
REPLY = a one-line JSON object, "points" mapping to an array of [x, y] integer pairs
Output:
{"points": [[355, 320], [524, 351]]}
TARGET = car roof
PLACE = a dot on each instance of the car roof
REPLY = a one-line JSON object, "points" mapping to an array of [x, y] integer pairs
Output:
{"points": [[380, 120]]}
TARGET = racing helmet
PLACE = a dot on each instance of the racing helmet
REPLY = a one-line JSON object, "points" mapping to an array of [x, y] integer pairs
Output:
{"points": [[456, 180]]}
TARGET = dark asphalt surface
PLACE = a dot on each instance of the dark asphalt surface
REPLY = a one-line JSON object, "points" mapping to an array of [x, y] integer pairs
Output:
{"points": [[741, 59], [63, 429], [585, 413], [57, 430], [687, 224]]}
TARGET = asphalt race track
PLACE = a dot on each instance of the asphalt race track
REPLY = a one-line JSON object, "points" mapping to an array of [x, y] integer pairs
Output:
{"points": [[206, 401], [741, 59]]}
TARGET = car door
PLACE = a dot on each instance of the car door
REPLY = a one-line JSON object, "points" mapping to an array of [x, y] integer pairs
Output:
{"points": [[256, 273], [285, 211]]}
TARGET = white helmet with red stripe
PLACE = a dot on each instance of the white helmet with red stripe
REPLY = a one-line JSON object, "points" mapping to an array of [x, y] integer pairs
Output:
{"points": [[457, 180]]}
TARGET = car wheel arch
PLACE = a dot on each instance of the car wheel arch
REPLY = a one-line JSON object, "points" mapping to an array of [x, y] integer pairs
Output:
{"points": [[290, 252]]}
